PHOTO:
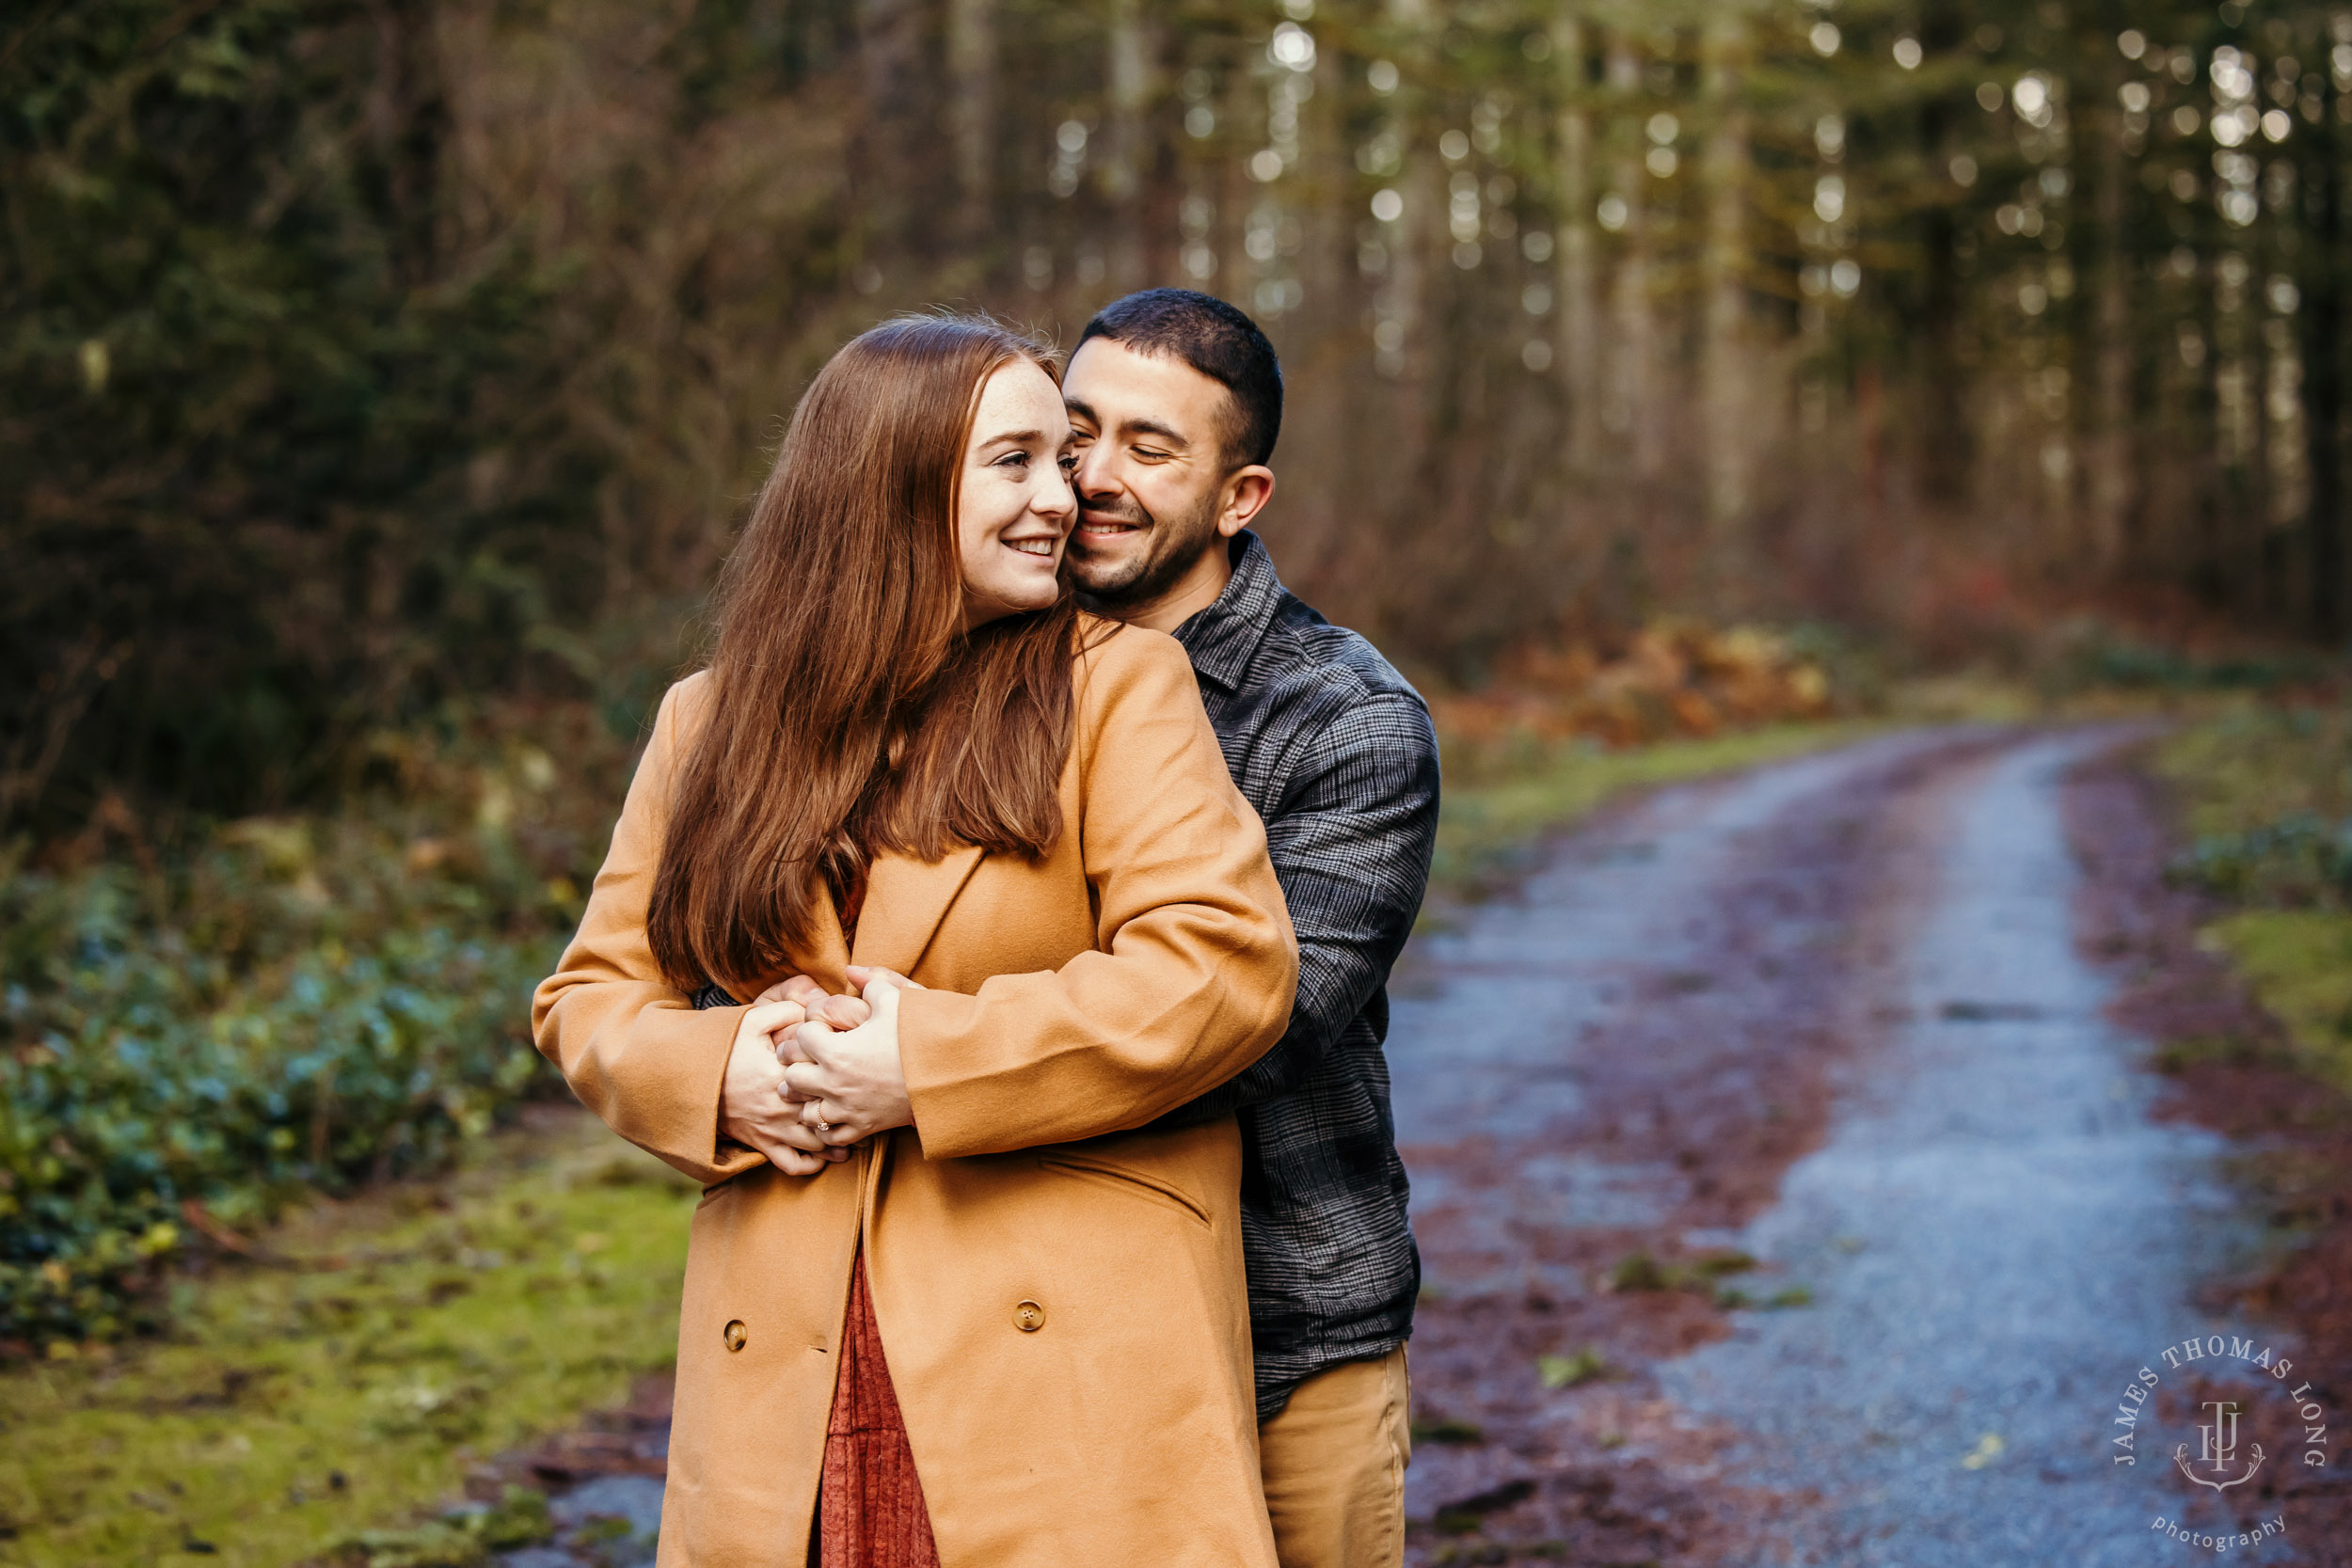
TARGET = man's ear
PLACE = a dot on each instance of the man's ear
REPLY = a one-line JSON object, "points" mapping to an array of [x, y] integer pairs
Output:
{"points": [[1247, 491]]}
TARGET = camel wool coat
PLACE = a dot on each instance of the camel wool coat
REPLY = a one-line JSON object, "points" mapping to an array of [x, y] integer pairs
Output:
{"points": [[1060, 1297]]}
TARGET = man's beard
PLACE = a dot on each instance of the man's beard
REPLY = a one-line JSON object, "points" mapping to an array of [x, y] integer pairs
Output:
{"points": [[1176, 546]]}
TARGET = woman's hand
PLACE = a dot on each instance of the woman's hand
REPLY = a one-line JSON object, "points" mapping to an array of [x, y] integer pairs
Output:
{"points": [[756, 1108], [851, 1083], [842, 1012]]}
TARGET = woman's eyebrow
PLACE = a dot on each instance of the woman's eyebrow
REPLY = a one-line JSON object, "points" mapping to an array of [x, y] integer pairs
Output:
{"points": [[1019, 438]]}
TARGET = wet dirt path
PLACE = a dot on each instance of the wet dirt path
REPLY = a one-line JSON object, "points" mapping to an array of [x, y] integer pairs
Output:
{"points": [[1785, 1195]]}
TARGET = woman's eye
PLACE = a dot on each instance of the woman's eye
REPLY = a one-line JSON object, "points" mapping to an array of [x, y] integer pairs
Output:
{"points": [[1013, 459]]}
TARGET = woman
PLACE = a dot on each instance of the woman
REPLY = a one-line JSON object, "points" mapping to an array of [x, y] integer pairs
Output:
{"points": [[911, 751]]}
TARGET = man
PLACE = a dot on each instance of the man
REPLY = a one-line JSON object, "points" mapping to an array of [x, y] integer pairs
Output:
{"points": [[1177, 398]]}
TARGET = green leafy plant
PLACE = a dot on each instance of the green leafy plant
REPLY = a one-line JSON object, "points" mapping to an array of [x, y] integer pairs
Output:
{"points": [[193, 1037]]}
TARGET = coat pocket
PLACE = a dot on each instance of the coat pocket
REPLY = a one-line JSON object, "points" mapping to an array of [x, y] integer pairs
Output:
{"points": [[1134, 1183]]}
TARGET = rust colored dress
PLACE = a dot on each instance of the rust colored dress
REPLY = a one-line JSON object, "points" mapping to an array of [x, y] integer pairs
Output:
{"points": [[869, 1502]]}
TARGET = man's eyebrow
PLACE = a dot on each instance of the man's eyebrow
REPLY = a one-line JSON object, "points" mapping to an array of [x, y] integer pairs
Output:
{"points": [[1154, 427]]}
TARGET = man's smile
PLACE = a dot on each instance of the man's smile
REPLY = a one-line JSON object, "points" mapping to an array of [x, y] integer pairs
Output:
{"points": [[1102, 525]]}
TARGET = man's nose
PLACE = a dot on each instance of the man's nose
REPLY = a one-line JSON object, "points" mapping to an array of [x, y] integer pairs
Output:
{"points": [[1096, 473]]}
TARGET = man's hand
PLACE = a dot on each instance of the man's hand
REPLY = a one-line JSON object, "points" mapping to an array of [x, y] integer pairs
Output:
{"points": [[757, 1109], [851, 1083]]}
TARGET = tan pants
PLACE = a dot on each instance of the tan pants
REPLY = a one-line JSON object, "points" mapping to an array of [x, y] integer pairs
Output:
{"points": [[1334, 1464]]}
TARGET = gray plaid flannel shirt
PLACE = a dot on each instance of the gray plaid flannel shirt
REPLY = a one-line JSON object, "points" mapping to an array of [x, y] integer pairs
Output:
{"points": [[1336, 754]]}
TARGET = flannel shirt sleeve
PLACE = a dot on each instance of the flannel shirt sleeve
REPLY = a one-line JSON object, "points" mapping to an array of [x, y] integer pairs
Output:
{"points": [[1351, 840]]}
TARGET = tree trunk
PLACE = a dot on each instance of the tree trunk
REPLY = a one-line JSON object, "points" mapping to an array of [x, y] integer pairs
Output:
{"points": [[1131, 77], [2322, 372], [972, 111], [1945, 447], [1631, 412], [1574, 271], [1417, 230], [1727, 407], [2110, 448], [890, 55]]}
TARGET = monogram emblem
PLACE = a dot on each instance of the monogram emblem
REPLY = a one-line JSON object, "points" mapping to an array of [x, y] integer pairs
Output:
{"points": [[2219, 1449]]}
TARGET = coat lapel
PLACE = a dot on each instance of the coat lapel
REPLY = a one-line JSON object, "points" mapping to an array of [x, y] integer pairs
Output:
{"points": [[905, 901]]}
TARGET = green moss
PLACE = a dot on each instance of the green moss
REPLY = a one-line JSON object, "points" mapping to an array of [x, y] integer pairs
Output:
{"points": [[2265, 796], [1569, 1372], [351, 1381], [1490, 820], [2298, 963]]}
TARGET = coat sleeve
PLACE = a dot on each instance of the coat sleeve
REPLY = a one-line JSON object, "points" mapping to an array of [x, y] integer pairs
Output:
{"points": [[1193, 967], [631, 1044]]}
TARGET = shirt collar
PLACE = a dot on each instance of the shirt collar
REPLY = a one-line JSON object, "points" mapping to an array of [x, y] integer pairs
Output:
{"points": [[1221, 638]]}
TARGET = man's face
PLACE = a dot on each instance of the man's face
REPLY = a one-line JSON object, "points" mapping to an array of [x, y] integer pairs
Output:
{"points": [[1149, 433]]}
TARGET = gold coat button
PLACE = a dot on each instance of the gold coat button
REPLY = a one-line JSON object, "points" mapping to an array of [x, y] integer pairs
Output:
{"points": [[735, 1333], [1028, 1317]]}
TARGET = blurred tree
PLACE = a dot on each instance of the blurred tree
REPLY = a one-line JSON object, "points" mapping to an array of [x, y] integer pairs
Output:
{"points": [[250, 399]]}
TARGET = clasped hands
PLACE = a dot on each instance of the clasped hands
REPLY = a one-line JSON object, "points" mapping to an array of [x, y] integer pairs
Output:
{"points": [[812, 1074]]}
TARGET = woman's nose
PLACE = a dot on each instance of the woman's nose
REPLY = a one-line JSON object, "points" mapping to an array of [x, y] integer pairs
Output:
{"points": [[1055, 497]]}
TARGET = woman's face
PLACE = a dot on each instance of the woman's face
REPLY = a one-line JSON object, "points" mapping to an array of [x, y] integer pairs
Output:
{"points": [[1015, 508]]}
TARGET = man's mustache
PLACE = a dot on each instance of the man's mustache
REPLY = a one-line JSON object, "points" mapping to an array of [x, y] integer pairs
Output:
{"points": [[1123, 511]]}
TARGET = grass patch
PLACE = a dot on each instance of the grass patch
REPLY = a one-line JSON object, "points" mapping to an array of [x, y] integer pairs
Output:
{"points": [[1494, 814], [353, 1379]]}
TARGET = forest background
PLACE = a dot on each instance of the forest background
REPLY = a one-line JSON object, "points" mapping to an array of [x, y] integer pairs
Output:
{"points": [[370, 361], [381, 382]]}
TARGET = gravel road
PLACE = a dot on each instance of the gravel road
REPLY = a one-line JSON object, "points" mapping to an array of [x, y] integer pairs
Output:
{"points": [[1776, 1125]]}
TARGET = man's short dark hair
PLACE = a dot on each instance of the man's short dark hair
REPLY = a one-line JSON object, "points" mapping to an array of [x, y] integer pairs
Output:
{"points": [[1213, 339]]}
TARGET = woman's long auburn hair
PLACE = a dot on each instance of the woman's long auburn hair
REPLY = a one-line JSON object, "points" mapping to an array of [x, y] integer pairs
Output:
{"points": [[848, 712]]}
